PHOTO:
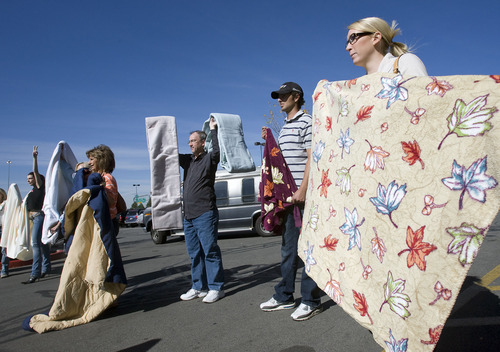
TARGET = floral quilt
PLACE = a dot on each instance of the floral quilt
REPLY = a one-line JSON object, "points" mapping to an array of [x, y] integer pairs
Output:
{"points": [[276, 188], [403, 189]]}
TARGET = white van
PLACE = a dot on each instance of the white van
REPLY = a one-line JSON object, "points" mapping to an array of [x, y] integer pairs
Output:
{"points": [[237, 200]]}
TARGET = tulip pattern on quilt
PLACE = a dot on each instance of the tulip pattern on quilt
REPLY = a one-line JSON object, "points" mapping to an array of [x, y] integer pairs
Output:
{"points": [[403, 188]]}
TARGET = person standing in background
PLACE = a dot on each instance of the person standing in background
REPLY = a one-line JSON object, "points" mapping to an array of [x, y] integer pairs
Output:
{"points": [[34, 202], [5, 259], [295, 143], [102, 160], [201, 217]]}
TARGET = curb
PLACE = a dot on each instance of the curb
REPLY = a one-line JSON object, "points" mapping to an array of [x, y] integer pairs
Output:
{"points": [[15, 263]]}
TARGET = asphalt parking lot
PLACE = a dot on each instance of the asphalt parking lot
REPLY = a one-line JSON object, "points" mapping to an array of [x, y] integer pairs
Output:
{"points": [[151, 317]]}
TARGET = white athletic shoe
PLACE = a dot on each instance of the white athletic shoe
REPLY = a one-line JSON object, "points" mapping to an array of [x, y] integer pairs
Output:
{"points": [[305, 312], [192, 294], [213, 296]]}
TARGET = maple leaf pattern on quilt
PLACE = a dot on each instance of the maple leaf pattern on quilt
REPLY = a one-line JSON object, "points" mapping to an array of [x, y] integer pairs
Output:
{"points": [[397, 300], [434, 334], [364, 113], [416, 200], [333, 290], [438, 87], [378, 246], [388, 199], [396, 346], [467, 239], [325, 183], [375, 158], [361, 306], [344, 142], [344, 180], [473, 180], [350, 228], [330, 243], [418, 249], [393, 90], [470, 120], [412, 151]]}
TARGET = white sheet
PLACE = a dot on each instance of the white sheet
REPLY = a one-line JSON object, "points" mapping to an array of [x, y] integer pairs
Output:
{"points": [[16, 231], [58, 184]]}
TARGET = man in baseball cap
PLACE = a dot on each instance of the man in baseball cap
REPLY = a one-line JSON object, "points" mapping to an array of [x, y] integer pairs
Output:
{"points": [[294, 141], [286, 88]]}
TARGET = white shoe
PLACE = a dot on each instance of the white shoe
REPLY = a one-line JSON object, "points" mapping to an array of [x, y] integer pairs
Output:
{"points": [[305, 312], [192, 294], [213, 296], [273, 305]]}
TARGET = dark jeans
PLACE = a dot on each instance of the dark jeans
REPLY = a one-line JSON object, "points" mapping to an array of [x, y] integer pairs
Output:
{"points": [[290, 262], [5, 262]]}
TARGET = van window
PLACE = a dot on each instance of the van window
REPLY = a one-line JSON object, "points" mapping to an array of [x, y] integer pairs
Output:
{"points": [[248, 190], [221, 193]]}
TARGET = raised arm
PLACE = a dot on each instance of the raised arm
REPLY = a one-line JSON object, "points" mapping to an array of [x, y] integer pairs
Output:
{"points": [[215, 141], [38, 179]]}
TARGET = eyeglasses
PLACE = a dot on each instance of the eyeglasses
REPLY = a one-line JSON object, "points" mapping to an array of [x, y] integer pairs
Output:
{"points": [[353, 38]]}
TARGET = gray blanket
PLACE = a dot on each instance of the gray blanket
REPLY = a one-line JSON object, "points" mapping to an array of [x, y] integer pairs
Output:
{"points": [[161, 134], [234, 154]]}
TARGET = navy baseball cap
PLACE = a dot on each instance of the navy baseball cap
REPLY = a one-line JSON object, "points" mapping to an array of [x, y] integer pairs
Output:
{"points": [[286, 88]]}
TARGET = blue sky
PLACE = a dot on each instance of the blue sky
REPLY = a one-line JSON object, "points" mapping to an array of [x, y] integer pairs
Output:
{"points": [[89, 72]]}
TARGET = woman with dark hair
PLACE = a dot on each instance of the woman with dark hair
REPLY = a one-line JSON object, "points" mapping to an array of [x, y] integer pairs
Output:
{"points": [[370, 43], [102, 160]]}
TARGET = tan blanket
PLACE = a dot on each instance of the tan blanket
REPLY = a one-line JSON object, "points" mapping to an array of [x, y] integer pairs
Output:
{"points": [[83, 293], [402, 191]]}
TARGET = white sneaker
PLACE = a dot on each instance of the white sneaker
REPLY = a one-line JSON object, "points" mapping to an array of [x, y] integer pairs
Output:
{"points": [[273, 305], [213, 296], [192, 294], [305, 312]]}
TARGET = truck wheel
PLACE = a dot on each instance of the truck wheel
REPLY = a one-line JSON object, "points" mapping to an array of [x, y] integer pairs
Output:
{"points": [[159, 236], [259, 228]]}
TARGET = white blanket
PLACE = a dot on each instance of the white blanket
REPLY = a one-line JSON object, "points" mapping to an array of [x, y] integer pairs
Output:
{"points": [[16, 231], [58, 184], [161, 134]]}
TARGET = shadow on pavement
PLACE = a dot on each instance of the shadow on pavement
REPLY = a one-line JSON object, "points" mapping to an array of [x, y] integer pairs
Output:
{"points": [[474, 324], [142, 347]]}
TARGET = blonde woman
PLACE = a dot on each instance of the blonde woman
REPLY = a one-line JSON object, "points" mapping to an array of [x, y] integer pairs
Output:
{"points": [[370, 43], [102, 160]]}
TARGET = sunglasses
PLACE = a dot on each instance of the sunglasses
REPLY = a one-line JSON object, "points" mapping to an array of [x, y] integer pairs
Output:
{"points": [[353, 38]]}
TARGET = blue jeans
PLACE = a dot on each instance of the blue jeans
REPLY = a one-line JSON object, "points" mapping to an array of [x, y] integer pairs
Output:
{"points": [[206, 261], [5, 261], [290, 261], [41, 252]]}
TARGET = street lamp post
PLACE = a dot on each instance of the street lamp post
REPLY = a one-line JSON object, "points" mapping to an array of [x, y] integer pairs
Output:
{"points": [[8, 173], [136, 194], [260, 144]]}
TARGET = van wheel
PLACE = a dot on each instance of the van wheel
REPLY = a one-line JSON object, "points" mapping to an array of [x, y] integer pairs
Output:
{"points": [[259, 228], [159, 236]]}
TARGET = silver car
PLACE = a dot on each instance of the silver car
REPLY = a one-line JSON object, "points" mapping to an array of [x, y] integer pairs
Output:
{"points": [[237, 200]]}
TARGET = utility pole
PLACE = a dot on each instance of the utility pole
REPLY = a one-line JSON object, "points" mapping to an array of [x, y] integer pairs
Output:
{"points": [[8, 174]]}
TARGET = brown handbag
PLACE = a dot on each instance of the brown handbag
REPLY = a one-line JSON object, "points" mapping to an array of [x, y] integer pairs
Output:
{"points": [[121, 206]]}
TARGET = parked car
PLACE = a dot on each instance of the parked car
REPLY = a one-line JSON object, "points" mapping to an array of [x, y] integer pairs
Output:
{"points": [[237, 200], [121, 218], [158, 236], [133, 217]]}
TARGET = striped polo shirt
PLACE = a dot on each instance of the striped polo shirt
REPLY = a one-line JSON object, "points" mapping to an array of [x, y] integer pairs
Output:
{"points": [[294, 139]]}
